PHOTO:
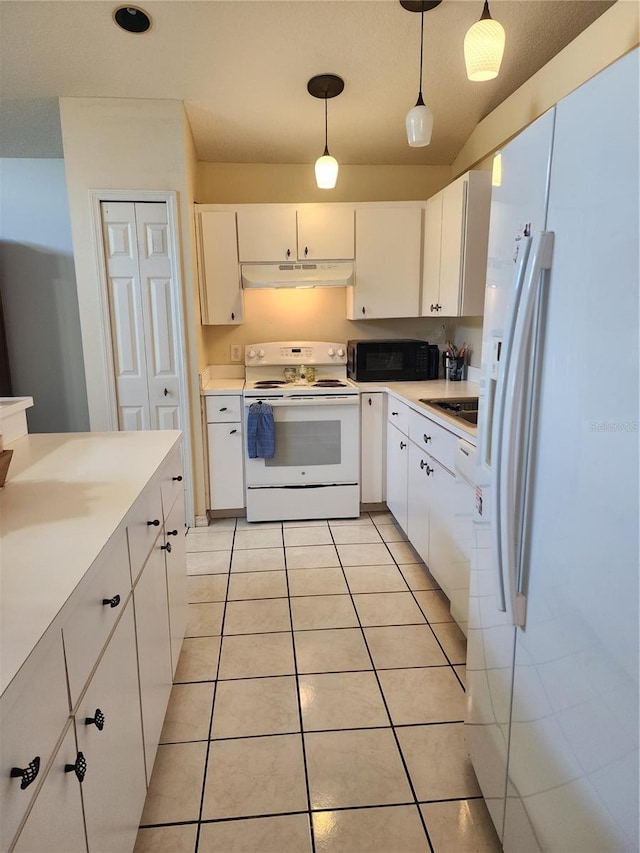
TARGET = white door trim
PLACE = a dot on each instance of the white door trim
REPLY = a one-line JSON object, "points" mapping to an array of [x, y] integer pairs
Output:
{"points": [[170, 198]]}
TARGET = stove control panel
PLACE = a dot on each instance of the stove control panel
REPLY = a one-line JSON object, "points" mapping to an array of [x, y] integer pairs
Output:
{"points": [[290, 352]]}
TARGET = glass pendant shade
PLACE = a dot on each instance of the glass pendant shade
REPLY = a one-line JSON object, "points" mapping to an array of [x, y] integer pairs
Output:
{"points": [[484, 47], [326, 171], [419, 125]]}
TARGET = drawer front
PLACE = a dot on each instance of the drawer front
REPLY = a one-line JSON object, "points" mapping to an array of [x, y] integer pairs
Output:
{"points": [[34, 710], [398, 414], [171, 479], [223, 408], [90, 621], [433, 439], [142, 530]]}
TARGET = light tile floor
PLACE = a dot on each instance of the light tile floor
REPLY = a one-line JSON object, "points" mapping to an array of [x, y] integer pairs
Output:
{"points": [[318, 703]]}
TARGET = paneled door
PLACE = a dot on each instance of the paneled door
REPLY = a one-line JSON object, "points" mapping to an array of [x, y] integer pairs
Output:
{"points": [[144, 328]]}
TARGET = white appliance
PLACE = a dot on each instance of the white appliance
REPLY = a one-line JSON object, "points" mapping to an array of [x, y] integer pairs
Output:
{"points": [[297, 274], [552, 668], [315, 470]]}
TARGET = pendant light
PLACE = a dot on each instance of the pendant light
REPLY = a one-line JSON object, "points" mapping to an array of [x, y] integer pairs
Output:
{"points": [[483, 47], [326, 86], [419, 119]]}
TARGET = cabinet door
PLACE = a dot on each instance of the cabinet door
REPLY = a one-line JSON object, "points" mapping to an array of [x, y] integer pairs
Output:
{"points": [[176, 564], [56, 822], [226, 460], [326, 232], [388, 262], [432, 247], [114, 787], [443, 549], [266, 233], [397, 462], [372, 423], [454, 206], [221, 294], [418, 501], [154, 649]]}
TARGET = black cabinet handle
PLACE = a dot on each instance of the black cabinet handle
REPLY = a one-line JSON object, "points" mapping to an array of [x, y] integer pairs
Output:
{"points": [[112, 602], [395, 414], [233, 431], [370, 403], [166, 547], [233, 316], [177, 479], [79, 767], [26, 774], [364, 310], [223, 409], [172, 532], [306, 251], [427, 438], [166, 392], [288, 253], [97, 720], [154, 523], [425, 467], [403, 444]]}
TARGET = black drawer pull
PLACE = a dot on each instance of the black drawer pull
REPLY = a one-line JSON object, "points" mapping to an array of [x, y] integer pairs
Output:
{"points": [[166, 547], [223, 409], [425, 467], [154, 523], [26, 774], [97, 720], [403, 444], [112, 602], [427, 438], [233, 431], [79, 767], [172, 532], [177, 479], [395, 414]]}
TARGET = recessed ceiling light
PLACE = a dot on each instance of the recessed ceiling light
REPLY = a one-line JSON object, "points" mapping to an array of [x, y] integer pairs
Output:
{"points": [[132, 19]]}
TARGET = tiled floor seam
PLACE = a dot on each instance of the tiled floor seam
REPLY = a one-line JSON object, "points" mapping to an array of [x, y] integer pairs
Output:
{"points": [[297, 677], [384, 700], [215, 689]]}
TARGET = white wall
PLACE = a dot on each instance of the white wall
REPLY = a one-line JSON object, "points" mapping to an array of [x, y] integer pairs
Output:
{"points": [[38, 286]]}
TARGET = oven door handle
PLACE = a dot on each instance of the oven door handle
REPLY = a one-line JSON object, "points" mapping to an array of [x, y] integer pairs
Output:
{"points": [[351, 400]]}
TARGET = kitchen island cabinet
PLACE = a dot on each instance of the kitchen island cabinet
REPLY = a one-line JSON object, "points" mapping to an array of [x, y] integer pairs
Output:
{"points": [[70, 680]]}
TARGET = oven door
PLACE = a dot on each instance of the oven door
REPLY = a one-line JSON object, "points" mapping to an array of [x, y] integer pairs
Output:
{"points": [[316, 442]]}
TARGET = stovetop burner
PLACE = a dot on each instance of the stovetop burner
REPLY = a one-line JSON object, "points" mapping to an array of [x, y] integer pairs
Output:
{"points": [[269, 383], [329, 383]]}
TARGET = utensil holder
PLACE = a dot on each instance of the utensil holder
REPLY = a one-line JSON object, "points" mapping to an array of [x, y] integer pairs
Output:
{"points": [[454, 368]]}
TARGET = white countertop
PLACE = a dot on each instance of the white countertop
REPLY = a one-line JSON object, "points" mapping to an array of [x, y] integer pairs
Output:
{"points": [[412, 392], [65, 496], [11, 405], [222, 386]]}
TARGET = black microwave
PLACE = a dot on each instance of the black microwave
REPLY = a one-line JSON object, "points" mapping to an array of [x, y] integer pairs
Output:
{"points": [[392, 360]]}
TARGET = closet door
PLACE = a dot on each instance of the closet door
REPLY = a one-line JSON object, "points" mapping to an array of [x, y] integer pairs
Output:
{"points": [[144, 328]]}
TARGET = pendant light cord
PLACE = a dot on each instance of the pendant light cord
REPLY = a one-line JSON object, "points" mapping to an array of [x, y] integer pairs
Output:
{"points": [[326, 149], [420, 102]]}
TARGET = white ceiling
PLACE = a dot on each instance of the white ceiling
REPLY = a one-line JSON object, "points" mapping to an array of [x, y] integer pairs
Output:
{"points": [[242, 66]]}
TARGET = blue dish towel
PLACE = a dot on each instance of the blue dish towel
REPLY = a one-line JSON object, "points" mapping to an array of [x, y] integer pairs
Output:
{"points": [[261, 433]]}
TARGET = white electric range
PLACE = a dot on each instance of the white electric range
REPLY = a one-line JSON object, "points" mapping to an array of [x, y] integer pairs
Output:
{"points": [[315, 470]]}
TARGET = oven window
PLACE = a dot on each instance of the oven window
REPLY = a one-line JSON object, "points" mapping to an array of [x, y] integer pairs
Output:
{"points": [[303, 443]]}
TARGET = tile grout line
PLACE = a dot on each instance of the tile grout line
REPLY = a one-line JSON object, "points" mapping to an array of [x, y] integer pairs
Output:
{"points": [[384, 700], [299, 703]]}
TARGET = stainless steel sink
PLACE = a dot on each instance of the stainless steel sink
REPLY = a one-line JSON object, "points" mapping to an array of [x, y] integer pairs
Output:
{"points": [[462, 408]]}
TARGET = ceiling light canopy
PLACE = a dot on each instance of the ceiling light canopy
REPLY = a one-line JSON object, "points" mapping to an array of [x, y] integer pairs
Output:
{"points": [[419, 120], [484, 47], [326, 86]]}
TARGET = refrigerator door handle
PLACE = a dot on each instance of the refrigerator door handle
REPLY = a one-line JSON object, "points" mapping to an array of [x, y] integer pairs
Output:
{"points": [[497, 427], [518, 391]]}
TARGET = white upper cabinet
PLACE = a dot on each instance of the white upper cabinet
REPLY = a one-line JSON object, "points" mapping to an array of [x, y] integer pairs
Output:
{"points": [[455, 247], [288, 232], [221, 296], [388, 262], [266, 232], [326, 232]]}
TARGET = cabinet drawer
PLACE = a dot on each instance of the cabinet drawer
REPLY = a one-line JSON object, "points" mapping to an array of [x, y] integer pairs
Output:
{"points": [[142, 529], [224, 408], [33, 712], [89, 621], [433, 439], [171, 479], [398, 414]]}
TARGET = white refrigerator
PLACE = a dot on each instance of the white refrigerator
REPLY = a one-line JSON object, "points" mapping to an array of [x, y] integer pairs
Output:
{"points": [[552, 662]]}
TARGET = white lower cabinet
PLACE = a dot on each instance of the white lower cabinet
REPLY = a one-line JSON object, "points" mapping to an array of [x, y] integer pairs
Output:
{"points": [[372, 447], [55, 822], [154, 649], [419, 501], [226, 451], [109, 734], [175, 561], [397, 472]]}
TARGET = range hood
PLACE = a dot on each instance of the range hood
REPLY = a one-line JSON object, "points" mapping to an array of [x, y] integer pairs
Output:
{"points": [[297, 274]]}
